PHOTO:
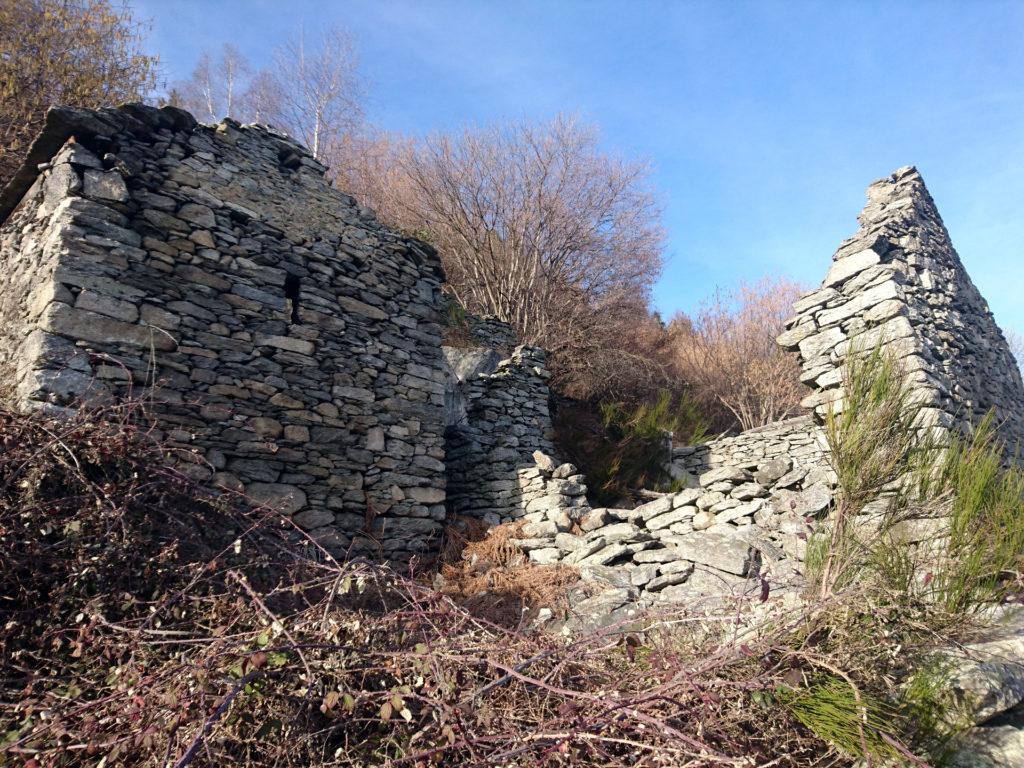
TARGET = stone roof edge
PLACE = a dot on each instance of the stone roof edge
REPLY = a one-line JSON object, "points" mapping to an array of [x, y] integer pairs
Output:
{"points": [[61, 123]]}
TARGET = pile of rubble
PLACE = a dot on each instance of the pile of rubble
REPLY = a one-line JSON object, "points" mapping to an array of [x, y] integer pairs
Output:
{"points": [[743, 529]]}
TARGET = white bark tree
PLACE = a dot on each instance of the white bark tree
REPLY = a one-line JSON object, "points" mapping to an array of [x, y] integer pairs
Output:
{"points": [[319, 89], [212, 91]]}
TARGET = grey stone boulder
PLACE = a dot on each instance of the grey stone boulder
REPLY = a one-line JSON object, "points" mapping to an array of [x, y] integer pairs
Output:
{"points": [[567, 542], [686, 498], [654, 508], [668, 580], [659, 555], [722, 552], [642, 574], [771, 471], [614, 606], [667, 519], [617, 532], [995, 746], [607, 575], [732, 475], [605, 555], [594, 519], [586, 550], [748, 491], [808, 502]]}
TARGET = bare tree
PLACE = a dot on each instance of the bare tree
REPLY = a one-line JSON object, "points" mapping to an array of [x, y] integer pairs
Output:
{"points": [[535, 225], [212, 91], [313, 91], [83, 53], [320, 92], [1016, 344], [728, 353], [260, 101]]}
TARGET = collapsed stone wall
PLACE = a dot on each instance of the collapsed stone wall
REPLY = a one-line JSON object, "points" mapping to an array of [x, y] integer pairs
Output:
{"points": [[799, 438], [900, 281], [294, 342], [758, 496]]}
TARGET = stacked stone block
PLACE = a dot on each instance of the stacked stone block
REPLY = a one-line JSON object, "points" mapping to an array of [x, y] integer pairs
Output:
{"points": [[498, 418], [745, 526], [290, 343], [799, 438], [759, 495]]}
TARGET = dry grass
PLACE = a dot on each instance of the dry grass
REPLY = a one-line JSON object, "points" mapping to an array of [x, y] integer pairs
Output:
{"points": [[485, 571]]}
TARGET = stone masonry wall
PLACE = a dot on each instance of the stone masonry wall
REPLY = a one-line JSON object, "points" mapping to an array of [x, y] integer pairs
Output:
{"points": [[799, 438], [900, 281], [294, 342], [491, 439]]}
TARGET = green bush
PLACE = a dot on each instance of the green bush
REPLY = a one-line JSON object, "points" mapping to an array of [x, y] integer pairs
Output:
{"points": [[982, 498], [623, 447], [882, 449]]}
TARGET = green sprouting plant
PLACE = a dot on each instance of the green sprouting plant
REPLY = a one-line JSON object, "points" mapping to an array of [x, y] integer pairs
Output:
{"points": [[930, 722], [454, 314], [982, 499], [640, 436], [852, 721], [621, 447], [455, 322], [874, 436], [884, 451]]}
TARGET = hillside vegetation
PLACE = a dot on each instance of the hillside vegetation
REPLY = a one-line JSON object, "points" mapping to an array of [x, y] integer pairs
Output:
{"points": [[148, 623]]}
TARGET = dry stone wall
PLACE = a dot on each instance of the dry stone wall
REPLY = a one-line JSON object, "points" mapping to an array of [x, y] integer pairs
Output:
{"points": [[758, 496], [743, 529], [292, 346], [497, 417], [799, 438], [294, 342], [900, 281]]}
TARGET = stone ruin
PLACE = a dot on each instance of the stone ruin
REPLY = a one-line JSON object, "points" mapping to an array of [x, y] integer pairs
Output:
{"points": [[756, 497], [900, 282], [292, 347], [293, 343]]}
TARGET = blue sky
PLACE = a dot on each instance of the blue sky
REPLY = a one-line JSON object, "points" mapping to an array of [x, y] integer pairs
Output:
{"points": [[764, 121]]}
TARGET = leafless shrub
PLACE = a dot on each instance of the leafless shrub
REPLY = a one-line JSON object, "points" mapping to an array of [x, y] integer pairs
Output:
{"points": [[537, 226], [314, 90], [214, 89], [1016, 342], [728, 353], [150, 623]]}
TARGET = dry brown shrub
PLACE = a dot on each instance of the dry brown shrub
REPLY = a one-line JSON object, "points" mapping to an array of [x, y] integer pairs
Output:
{"points": [[148, 623], [486, 571], [535, 225], [727, 352], [79, 53]]}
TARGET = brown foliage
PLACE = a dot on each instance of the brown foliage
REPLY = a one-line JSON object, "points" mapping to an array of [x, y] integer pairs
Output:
{"points": [[79, 53], [727, 352], [537, 226], [485, 571], [148, 623]]}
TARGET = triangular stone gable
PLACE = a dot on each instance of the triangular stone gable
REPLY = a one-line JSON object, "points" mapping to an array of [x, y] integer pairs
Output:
{"points": [[900, 280]]}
